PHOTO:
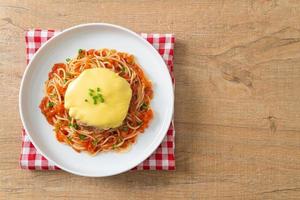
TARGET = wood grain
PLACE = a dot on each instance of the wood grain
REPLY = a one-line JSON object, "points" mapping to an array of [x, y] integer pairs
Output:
{"points": [[237, 110]]}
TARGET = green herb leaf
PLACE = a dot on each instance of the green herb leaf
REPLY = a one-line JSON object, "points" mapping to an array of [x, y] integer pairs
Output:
{"points": [[74, 125], [140, 123], [68, 59], [123, 69], [144, 106], [82, 137], [114, 146], [100, 97], [95, 142], [96, 96], [50, 104], [80, 50]]}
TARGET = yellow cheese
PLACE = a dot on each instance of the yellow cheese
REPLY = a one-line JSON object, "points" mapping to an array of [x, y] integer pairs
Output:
{"points": [[115, 91]]}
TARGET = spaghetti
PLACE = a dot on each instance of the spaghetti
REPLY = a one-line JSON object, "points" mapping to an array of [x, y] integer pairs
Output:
{"points": [[91, 139]]}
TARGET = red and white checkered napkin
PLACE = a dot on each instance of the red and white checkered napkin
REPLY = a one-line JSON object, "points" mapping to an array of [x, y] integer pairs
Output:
{"points": [[161, 159]]}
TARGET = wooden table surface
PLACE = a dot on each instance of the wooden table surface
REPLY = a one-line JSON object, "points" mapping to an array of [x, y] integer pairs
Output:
{"points": [[237, 109]]}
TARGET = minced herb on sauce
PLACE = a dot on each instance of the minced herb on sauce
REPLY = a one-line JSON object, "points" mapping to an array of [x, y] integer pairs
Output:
{"points": [[50, 104], [82, 137], [95, 142], [74, 125], [144, 106]]}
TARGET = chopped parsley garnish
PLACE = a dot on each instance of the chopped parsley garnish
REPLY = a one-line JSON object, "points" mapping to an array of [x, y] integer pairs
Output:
{"points": [[123, 69], [96, 96], [82, 137], [80, 50], [95, 142], [144, 106], [68, 59], [50, 104], [114, 146], [74, 125], [100, 97], [140, 123]]}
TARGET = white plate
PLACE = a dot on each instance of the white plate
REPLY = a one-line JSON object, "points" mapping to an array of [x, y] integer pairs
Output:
{"points": [[66, 44]]}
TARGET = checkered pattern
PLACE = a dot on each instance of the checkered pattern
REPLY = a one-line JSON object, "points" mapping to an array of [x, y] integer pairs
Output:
{"points": [[163, 157]]}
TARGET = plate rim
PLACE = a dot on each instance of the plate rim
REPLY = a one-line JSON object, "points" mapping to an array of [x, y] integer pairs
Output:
{"points": [[36, 54]]}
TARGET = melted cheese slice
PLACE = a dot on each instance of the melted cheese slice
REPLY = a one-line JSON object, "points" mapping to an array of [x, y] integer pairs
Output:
{"points": [[115, 90]]}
